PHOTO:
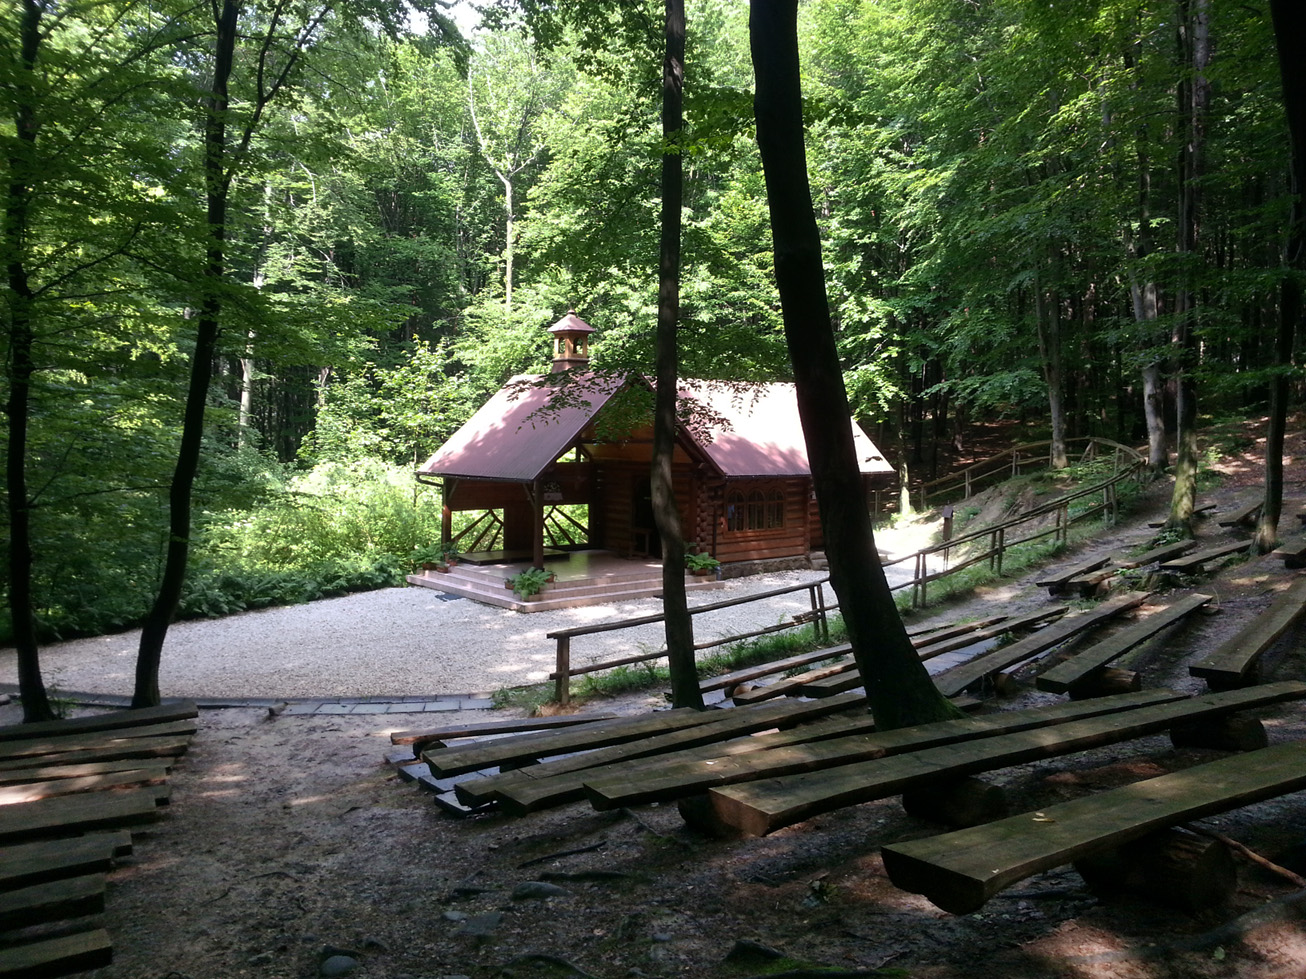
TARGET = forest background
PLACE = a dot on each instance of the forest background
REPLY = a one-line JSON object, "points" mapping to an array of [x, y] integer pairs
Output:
{"points": [[1062, 214]]}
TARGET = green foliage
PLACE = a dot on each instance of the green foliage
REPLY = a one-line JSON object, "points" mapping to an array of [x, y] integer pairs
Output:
{"points": [[529, 582]]}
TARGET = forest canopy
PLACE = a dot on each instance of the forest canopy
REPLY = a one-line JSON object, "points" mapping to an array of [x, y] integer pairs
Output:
{"points": [[1010, 215]]}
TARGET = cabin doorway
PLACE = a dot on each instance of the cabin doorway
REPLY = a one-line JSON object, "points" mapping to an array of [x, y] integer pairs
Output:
{"points": [[644, 539]]}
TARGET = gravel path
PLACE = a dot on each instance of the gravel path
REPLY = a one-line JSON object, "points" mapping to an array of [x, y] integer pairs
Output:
{"points": [[396, 642]]}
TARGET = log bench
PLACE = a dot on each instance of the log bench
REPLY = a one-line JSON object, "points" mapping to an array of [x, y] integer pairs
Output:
{"points": [[678, 776], [759, 807], [961, 870], [1196, 560], [1293, 553], [1245, 515], [956, 679], [1057, 581], [1077, 672], [1236, 662]]}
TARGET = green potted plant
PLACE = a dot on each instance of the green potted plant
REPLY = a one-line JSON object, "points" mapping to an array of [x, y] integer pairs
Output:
{"points": [[701, 564], [426, 556], [449, 554], [530, 582]]}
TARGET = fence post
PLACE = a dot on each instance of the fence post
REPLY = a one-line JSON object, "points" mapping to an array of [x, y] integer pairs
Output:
{"points": [[968, 482], [562, 685], [918, 581]]}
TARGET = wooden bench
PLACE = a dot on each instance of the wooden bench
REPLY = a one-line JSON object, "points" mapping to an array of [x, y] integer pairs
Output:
{"points": [[960, 871], [958, 678], [1195, 561], [1057, 581], [760, 807], [88, 775], [1245, 515], [678, 776], [438, 737], [1077, 671], [1293, 553], [1236, 662]]}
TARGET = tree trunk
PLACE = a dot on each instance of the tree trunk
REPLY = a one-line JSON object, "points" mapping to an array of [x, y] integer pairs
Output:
{"points": [[679, 625], [22, 163], [1049, 346], [898, 687], [1195, 103], [217, 186], [1289, 25]]}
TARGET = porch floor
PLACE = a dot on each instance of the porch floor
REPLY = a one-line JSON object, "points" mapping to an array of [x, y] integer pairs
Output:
{"points": [[583, 578]]}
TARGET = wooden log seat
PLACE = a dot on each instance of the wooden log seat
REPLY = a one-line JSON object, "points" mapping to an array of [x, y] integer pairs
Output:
{"points": [[961, 870], [760, 807], [1293, 553], [1196, 561], [1236, 662], [1244, 515]]}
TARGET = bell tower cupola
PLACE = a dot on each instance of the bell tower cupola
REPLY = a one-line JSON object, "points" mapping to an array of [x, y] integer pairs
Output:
{"points": [[571, 340]]}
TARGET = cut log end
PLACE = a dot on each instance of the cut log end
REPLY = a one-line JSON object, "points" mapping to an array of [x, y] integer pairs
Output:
{"points": [[1106, 682], [1236, 732], [1171, 867]]}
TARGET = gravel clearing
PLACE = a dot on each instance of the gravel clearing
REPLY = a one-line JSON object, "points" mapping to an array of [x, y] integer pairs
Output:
{"points": [[392, 642]]}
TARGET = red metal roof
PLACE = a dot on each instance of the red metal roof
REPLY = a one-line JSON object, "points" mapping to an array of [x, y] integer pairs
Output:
{"points": [[753, 431], [764, 436], [512, 437]]}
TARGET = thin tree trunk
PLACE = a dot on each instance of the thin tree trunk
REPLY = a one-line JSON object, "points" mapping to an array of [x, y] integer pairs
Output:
{"points": [[217, 186], [1049, 345], [679, 625], [22, 163], [1289, 27], [1196, 95], [897, 685]]}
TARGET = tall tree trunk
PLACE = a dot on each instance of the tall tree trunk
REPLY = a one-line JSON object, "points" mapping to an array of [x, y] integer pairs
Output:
{"points": [[1047, 312], [217, 187], [897, 685], [679, 625], [1289, 27], [22, 164], [1195, 97]]}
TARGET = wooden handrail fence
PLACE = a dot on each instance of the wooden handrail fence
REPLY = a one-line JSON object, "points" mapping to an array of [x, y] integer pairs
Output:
{"points": [[1126, 463]]}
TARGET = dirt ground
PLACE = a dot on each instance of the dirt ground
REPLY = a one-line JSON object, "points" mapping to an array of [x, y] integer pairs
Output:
{"points": [[289, 838]]}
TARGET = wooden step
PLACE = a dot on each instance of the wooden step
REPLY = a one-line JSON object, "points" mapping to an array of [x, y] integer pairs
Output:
{"points": [[1075, 670], [114, 720], [33, 863], [77, 814], [52, 900], [1233, 663], [757, 808], [85, 741], [61, 956], [125, 748], [674, 778], [960, 871]]}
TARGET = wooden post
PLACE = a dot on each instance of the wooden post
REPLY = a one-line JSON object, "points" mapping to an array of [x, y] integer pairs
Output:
{"points": [[446, 515], [537, 544], [562, 684]]}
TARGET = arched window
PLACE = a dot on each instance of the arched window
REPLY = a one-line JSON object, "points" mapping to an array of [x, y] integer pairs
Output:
{"points": [[755, 510]]}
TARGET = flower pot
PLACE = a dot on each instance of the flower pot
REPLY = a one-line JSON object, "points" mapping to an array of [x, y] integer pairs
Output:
{"points": [[701, 572]]}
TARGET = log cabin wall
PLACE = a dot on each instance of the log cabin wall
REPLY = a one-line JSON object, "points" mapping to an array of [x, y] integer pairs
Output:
{"points": [[614, 504], [762, 520]]}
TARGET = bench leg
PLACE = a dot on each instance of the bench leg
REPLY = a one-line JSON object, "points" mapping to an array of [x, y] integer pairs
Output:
{"points": [[1170, 867], [699, 816], [1234, 732], [960, 802], [1105, 682]]}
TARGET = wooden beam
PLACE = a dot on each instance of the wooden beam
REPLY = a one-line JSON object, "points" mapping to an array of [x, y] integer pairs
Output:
{"points": [[32, 863], [77, 814], [125, 748], [61, 956], [115, 720], [674, 777], [52, 900], [557, 782], [81, 741], [428, 738], [960, 871], [958, 678], [1065, 675], [758, 808], [1231, 662]]}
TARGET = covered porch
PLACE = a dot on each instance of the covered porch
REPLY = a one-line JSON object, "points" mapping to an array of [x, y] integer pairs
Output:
{"points": [[582, 577]]}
